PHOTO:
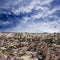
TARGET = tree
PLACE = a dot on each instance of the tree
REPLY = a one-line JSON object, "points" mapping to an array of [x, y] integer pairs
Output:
{"points": [[58, 41], [49, 41]]}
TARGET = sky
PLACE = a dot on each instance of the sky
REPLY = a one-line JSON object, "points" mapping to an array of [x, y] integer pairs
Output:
{"points": [[36, 16]]}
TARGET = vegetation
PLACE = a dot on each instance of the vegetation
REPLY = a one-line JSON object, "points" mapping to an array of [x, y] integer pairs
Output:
{"points": [[49, 41], [59, 41]]}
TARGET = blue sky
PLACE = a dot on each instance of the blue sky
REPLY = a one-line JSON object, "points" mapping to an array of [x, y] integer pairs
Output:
{"points": [[30, 16]]}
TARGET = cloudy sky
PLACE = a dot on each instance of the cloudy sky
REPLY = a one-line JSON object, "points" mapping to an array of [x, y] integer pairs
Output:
{"points": [[30, 16]]}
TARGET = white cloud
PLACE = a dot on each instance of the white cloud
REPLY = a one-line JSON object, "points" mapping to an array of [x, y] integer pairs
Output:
{"points": [[43, 11], [8, 4], [38, 27], [26, 19], [48, 26], [31, 6], [4, 23]]}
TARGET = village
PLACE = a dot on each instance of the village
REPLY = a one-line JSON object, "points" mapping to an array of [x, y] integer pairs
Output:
{"points": [[29, 46]]}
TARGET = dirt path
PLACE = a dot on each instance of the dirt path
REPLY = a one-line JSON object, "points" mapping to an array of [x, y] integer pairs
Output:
{"points": [[26, 57]]}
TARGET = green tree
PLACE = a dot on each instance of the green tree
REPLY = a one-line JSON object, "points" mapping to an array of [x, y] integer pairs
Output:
{"points": [[49, 41], [59, 41]]}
